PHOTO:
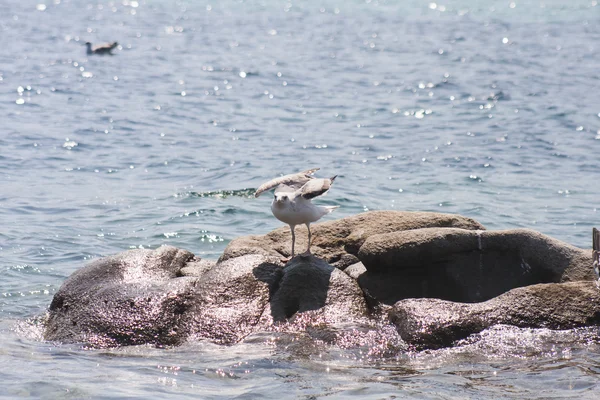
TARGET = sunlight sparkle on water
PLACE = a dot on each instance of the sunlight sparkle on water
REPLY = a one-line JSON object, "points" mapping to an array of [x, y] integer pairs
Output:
{"points": [[69, 144]]}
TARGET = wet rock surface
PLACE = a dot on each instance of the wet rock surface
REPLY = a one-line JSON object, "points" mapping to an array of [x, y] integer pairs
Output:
{"points": [[434, 323], [126, 299], [437, 277]]}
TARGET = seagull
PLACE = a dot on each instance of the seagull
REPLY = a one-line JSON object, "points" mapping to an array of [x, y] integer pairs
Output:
{"points": [[291, 203], [596, 254], [105, 48]]}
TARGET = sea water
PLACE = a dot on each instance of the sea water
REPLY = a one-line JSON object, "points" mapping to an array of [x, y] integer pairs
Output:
{"points": [[488, 109]]}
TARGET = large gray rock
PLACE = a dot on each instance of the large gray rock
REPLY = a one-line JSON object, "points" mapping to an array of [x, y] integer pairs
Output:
{"points": [[434, 323], [127, 299], [166, 297], [339, 241], [231, 298], [465, 265]]}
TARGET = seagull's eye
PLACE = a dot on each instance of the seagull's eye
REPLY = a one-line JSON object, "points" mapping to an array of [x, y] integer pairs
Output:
{"points": [[284, 197]]}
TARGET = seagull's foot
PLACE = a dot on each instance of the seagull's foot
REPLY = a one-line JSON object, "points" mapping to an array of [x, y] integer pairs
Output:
{"points": [[307, 253], [285, 260]]}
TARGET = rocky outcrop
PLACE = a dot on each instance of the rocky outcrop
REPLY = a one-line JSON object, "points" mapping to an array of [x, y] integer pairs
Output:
{"points": [[434, 323], [338, 242], [465, 265], [442, 277], [166, 296]]}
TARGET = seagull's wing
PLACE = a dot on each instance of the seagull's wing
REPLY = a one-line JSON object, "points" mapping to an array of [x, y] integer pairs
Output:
{"points": [[315, 187], [293, 180], [286, 189]]}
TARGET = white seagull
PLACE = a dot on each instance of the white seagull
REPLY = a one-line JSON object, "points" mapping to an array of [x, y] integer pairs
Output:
{"points": [[105, 48], [291, 203], [596, 254]]}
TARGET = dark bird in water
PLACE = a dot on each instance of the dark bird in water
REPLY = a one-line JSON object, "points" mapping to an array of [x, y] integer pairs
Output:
{"points": [[105, 48]]}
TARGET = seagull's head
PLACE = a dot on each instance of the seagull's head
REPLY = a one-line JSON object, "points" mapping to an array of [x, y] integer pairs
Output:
{"points": [[281, 198]]}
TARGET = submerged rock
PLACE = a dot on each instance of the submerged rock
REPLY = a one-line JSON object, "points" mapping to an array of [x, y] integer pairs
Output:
{"points": [[434, 323], [442, 277]]}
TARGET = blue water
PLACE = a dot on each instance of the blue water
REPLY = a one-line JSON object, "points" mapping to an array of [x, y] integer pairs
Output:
{"points": [[488, 109]]}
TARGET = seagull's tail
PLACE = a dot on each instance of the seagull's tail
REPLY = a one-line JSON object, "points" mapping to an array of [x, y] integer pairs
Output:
{"points": [[328, 209]]}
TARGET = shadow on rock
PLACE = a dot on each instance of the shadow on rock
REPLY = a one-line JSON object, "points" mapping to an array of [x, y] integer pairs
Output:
{"points": [[309, 283]]}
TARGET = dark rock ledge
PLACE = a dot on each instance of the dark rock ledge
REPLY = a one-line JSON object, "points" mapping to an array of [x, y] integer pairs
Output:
{"points": [[378, 280]]}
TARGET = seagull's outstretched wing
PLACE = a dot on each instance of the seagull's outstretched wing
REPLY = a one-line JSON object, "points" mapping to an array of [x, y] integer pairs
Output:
{"points": [[315, 187], [293, 180]]}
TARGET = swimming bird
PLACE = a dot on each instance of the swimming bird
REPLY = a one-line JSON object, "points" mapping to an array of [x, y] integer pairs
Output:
{"points": [[596, 254], [105, 48], [292, 200]]}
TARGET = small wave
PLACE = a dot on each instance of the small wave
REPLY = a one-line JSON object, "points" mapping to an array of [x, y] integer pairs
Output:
{"points": [[497, 96], [31, 328], [223, 194]]}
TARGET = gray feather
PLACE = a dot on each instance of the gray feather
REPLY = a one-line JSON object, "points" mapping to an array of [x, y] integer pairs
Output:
{"points": [[295, 181], [315, 187]]}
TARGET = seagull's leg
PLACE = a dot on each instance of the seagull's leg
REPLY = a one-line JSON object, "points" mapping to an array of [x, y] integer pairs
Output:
{"points": [[286, 259], [309, 237], [292, 227]]}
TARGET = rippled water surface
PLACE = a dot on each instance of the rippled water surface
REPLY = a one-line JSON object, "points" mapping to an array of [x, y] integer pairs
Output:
{"points": [[489, 109]]}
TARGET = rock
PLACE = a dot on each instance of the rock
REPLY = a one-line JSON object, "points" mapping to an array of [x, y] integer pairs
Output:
{"points": [[140, 297], [167, 296], [232, 297], [197, 267], [434, 323], [335, 241], [355, 270], [465, 265], [413, 248], [309, 283], [127, 299]]}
